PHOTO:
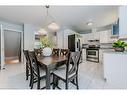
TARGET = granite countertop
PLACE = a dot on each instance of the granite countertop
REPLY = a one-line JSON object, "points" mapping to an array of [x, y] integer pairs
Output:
{"points": [[113, 52], [106, 48], [84, 47], [99, 48]]}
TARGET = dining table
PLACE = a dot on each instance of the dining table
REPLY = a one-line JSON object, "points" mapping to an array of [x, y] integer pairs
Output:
{"points": [[50, 63]]}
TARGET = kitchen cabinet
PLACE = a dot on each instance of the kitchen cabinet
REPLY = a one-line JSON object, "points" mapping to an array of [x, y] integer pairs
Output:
{"points": [[84, 55], [101, 52], [91, 36], [105, 36], [102, 36], [101, 55], [96, 35], [85, 38], [115, 68]]}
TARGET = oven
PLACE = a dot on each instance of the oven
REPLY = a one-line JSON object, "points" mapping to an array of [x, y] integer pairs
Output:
{"points": [[92, 54]]}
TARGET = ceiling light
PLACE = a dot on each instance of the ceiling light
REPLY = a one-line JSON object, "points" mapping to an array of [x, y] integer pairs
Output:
{"points": [[51, 25], [42, 32], [90, 23]]}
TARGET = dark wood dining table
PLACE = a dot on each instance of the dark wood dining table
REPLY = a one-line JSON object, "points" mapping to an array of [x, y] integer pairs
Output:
{"points": [[50, 63]]}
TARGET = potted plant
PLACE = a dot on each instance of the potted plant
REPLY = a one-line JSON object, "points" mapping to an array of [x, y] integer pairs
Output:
{"points": [[119, 46], [47, 44]]}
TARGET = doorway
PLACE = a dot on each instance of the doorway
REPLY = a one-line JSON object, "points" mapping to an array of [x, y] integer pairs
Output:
{"points": [[12, 46]]}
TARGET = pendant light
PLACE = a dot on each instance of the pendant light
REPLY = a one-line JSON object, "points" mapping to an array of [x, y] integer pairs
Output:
{"points": [[49, 23]]}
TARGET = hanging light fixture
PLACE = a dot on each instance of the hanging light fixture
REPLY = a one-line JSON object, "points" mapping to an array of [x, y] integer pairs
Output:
{"points": [[42, 32], [49, 23]]}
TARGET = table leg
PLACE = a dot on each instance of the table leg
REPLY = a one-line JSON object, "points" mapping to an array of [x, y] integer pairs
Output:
{"points": [[47, 78]]}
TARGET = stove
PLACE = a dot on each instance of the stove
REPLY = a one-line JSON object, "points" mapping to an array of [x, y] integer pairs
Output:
{"points": [[92, 53]]}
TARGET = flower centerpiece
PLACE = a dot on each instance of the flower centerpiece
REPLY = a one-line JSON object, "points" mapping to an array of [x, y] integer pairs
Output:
{"points": [[47, 44], [119, 46]]}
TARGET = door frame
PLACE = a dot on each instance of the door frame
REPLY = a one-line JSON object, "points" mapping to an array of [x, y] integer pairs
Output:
{"points": [[2, 44]]}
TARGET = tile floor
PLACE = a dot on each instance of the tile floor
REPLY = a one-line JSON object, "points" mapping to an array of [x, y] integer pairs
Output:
{"points": [[90, 77]]}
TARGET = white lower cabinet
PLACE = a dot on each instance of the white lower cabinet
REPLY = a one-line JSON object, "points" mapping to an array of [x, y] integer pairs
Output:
{"points": [[115, 68], [84, 55], [101, 52], [100, 55]]}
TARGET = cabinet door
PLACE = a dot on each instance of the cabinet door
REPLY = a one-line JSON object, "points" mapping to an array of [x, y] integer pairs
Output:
{"points": [[84, 54], [90, 36], [85, 38], [104, 36], [96, 35], [100, 55]]}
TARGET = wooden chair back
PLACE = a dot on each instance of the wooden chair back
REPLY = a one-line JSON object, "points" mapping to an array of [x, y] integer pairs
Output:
{"points": [[55, 51], [73, 63], [64, 52], [38, 51], [34, 63]]}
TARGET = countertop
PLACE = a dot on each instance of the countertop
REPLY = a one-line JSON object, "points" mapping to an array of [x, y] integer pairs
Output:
{"points": [[113, 52], [99, 48], [105, 48]]}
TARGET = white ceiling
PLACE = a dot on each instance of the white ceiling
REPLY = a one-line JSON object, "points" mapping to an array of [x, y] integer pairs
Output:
{"points": [[74, 17]]}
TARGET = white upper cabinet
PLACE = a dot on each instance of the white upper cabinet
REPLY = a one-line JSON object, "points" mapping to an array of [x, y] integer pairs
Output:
{"points": [[91, 36], [96, 35], [86, 37], [105, 36]]}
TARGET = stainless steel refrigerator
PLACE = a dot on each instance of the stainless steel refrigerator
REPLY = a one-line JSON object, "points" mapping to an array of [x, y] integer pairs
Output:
{"points": [[74, 43]]}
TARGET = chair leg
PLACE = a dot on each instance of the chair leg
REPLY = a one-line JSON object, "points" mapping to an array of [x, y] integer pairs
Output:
{"points": [[54, 81], [32, 82], [57, 82], [77, 82], [66, 85], [53, 85], [27, 72], [38, 83]]}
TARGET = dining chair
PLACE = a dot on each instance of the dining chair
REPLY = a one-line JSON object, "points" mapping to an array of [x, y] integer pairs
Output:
{"points": [[27, 63], [55, 51], [70, 73], [37, 73], [28, 69], [64, 52], [38, 51]]}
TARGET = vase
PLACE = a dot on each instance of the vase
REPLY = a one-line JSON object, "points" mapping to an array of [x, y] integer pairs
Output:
{"points": [[47, 51], [119, 49]]}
